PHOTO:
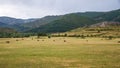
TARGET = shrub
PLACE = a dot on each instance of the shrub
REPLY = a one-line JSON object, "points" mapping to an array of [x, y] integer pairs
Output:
{"points": [[49, 37], [65, 35], [110, 37]]}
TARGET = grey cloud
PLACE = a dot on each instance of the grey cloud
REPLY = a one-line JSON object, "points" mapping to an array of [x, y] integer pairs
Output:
{"points": [[40, 8]]}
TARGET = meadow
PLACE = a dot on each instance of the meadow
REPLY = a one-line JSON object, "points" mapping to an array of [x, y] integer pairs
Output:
{"points": [[59, 52]]}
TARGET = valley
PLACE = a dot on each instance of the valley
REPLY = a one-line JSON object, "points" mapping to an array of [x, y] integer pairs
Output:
{"points": [[74, 40]]}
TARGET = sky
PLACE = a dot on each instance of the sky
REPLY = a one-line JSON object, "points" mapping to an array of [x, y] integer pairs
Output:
{"points": [[40, 8]]}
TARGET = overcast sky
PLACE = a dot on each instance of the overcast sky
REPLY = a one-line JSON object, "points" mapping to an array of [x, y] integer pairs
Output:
{"points": [[41, 8]]}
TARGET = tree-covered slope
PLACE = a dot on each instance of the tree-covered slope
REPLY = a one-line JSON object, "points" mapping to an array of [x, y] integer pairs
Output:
{"points": [[41, 22], [66, 23], [3, 25], [91, 14], [110, 16], [6, 30]]}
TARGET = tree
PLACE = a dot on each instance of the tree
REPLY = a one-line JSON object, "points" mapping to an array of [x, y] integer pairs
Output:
{"points": [[49, 36], [99, 31], [41, 34], [82, 36], [65, 35], [110, 37]]}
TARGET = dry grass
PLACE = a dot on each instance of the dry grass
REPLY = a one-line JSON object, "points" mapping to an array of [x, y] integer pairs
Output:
{"points": [[74, 53]]}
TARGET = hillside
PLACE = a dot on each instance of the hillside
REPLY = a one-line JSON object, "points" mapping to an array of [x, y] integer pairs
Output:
{"points": [[48, 19], [41, 22], [7, 30], [15, 23], [3, 25], [110, 16], [12, 21], [92, 15], [113, 31], [66, 23], [106, 24]]}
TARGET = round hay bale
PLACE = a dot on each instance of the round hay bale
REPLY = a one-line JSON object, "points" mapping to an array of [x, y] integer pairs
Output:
{"points": [[65, 41], [7, 41], [53, 40], [17, 40], [38, 40], [87, 40]]}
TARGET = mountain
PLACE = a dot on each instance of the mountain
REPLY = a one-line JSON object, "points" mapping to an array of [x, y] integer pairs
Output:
{"points": [[62, 23], [41, 22], [65, 23], [12, 21], [15, 23], [4, 25], [75, 20]]}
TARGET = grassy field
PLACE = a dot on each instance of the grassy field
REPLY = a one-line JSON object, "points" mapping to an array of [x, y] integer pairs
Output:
{"points": [[59, 52]]}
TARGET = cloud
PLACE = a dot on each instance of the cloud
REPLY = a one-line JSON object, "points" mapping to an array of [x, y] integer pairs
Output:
{"points": [[40, 8]]}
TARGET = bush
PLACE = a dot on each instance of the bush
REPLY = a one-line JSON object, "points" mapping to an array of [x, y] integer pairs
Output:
{"points": [[65, 35], [110, 37], [49, 37], [82, 36]]}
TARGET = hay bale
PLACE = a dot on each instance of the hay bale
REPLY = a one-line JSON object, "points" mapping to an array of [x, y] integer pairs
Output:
{"points": [[38, 40], [101, 39], [87, 40], [17, 40], [7, 41], [65, 41], [53, 40]]}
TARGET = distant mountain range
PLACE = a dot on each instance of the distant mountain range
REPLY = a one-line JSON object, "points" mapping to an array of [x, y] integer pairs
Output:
{"points": [[62, 23], [12, 21]]}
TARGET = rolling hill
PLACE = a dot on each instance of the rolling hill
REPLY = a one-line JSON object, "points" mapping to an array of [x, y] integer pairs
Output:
{"points": [[66, 23]]}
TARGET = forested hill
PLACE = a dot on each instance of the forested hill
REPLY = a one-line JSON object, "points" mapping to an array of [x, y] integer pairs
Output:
{"points": [[66, 23]]}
